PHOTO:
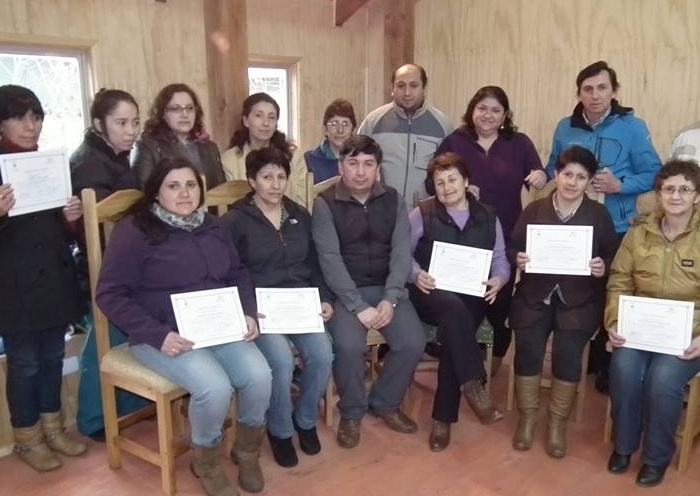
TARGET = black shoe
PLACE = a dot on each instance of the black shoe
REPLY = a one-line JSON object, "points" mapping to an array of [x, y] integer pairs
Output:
{"points": [[308, 439], [432, 349], [618, 464], [650, 476], [602, 382], [283, 451]]}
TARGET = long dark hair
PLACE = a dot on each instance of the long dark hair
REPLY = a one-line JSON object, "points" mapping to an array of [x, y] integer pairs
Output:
{"points": [[241, 135], [507, 130], [156, 125], [146, 220]]}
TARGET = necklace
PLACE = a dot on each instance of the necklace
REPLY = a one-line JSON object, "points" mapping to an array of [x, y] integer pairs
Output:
{"points": [[275, 219]]}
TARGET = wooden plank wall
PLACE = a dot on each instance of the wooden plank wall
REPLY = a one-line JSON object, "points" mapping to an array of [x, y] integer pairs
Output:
{"points": [[535, 48]]}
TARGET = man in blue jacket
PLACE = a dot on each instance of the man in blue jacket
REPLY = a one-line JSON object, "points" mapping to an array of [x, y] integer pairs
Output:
{"points": [[627, 161]]}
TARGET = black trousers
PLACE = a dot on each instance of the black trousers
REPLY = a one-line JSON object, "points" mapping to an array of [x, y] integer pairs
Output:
{"points": [[461, 358]]}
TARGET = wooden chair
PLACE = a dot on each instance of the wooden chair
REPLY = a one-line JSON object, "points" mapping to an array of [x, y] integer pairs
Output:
{"points": [[220, 197], [547, 383], [118, 368], [313, 190], [687, 431]]}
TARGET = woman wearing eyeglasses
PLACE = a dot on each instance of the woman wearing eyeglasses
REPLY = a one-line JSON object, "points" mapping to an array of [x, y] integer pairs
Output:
{"points": [[658, 259], [339, 124], [175, 129]]}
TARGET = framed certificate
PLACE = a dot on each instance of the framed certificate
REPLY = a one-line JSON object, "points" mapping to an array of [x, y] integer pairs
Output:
{"points": [[559, 249], [40, 180], [655, 324], [461, 269], [209, 317], [289, 310]]}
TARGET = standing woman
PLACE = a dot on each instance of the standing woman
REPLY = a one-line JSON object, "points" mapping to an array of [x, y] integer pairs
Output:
{"points": [[566, 306], [273, 236], [169, 244], [339, 122], [175, 128], [101, 162], [499, 160], [657, 259], [258, 129], [455, 216], [39, 297]]}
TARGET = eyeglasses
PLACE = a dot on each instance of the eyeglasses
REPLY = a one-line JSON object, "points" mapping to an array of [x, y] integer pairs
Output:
{"points": [[180, 109], [682, 190], [339, 124]]}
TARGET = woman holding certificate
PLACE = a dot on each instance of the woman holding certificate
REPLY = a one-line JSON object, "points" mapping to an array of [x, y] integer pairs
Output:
{"points": [[273, 236], [657, 259], [166, 245], [563, 245], [39, 296], [454, 216]]}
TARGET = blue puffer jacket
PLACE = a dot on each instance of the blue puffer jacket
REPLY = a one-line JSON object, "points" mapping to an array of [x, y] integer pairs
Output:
{"points": [[623, 145]]}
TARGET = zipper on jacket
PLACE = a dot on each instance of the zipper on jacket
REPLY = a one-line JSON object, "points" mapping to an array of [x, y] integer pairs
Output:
{"points": [[409, 119]]}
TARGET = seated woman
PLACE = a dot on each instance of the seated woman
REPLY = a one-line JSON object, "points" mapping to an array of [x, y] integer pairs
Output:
{"points": [[455, 216], [567, 306], [339, 123], [273, 237], [258, 129], [175, 129], [168, 244], [101, 162], [656, 260], [39, 297]]}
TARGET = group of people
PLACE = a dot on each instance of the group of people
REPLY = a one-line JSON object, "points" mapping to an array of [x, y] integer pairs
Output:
{"points": [[367, 246]]}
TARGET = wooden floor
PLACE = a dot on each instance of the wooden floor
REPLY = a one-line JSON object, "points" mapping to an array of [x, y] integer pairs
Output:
{"points": [[479, 462]]}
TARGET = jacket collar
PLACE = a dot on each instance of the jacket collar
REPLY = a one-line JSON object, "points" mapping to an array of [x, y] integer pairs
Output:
{"points": [[98, 142], [342, 192], [653, 222], [416, 113], [578, 120]]}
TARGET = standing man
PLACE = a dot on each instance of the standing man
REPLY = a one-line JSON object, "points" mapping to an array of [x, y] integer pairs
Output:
{"points": [[362, 236], [627, 161], [409, 131]]}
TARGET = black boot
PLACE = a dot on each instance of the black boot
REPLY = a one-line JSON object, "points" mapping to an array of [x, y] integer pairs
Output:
{"points": [[283, 450]]}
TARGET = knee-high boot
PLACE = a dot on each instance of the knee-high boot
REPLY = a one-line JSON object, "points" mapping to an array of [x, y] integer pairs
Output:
{"points": [[246, 453], [527, 395], [561, 400]]}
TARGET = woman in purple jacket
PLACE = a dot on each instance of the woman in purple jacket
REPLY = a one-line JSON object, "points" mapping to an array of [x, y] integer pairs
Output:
{"points": [[168, 244]]}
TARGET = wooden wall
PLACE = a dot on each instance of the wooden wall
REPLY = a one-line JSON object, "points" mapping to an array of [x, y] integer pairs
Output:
{"points": [[535, 48], [332, 60]]}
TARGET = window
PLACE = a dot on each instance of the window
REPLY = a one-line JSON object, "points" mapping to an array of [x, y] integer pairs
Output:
{"points": [[277, 80], [59, 81]]}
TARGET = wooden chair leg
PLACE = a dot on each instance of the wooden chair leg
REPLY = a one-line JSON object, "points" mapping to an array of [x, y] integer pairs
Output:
{"points": [[689, 430], [165, 444], [607, 430], [511, 387], [581, 390], [111, 420], [330, 401], [488, 365]]}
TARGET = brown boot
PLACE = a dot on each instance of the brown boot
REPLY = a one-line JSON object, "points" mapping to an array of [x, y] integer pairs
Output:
{"points": [[527, 395], [56, 438], [32, 450], [206, 466], [561, 400], [246, 452], [479, 401], [439, 436]]}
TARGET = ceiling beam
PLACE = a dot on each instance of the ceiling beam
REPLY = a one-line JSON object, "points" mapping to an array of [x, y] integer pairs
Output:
{"points": [[344, 9]]}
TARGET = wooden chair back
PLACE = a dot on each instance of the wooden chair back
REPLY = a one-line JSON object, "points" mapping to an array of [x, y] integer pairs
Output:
{"points": [[221, 197], [313, 190]]}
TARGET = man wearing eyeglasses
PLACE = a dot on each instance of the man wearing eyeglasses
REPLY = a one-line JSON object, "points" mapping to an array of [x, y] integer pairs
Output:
{"points": [[409, 131], [626, 158]]}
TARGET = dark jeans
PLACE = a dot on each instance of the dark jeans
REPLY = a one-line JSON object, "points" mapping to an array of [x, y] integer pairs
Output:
{"points": [[497, 313], [567, 346], [34, 373], [461, 359]]}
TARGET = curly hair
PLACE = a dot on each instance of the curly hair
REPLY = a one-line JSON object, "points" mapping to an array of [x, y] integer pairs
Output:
{"points": [[507, 130], [156, 126]]}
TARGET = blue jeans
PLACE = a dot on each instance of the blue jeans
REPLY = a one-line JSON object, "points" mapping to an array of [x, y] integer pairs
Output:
{"points": [[646, 393], [211, 375], [34, 373], [317, 357]]}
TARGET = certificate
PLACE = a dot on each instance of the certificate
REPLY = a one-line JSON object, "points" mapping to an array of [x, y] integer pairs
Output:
{"points": [[40, 180], [559, 249], [289, 310], [209, 317], [461, 269], [654, 324]]}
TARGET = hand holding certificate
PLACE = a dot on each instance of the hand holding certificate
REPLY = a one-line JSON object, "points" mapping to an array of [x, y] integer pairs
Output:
{"points": [[289, 310], [655, 324], [209, 317], [40, 180], [461, 269], [559, 249]]}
